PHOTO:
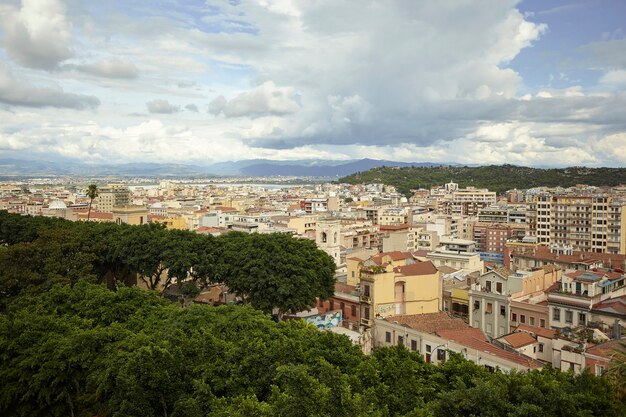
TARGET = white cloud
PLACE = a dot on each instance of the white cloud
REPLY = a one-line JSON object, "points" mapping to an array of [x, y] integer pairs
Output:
{"points": [[38, 35], [161, 106], [111, 68]]}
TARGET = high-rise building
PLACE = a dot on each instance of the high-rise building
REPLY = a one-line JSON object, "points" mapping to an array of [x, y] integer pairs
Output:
{"points": [[589, 223]]}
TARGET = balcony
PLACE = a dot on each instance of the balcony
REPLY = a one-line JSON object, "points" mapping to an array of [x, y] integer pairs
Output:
{"points": [[365, 299], [366, 322]]}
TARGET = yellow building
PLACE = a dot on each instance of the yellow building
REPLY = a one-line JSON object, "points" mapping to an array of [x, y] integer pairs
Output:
{"points": [[395, 284], [179, 223], [135, 215]]}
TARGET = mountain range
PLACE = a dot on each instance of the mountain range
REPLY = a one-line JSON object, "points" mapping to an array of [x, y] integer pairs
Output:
{"points": [[247, 168]]}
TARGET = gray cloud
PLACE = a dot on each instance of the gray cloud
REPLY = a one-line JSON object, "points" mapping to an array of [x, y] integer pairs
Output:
{"points": [[606, 54], [192, 108], [112, 68], [38, 35], [162, 107], [19, 93], [266, 99]]}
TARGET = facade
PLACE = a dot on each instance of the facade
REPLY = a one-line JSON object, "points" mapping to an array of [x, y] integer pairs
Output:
{"points": [[492, 298], [589, 223], [135, 215], [396, 284], [583, 298], [466, 261], [113, 195], [434, 335]]}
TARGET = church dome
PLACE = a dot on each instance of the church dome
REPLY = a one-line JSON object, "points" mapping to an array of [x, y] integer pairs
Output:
{"points": [[57, 205]]}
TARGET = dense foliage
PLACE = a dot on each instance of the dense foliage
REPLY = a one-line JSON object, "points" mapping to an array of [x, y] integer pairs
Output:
{"points": [[83, 350], [270, 271], [497, 178]]}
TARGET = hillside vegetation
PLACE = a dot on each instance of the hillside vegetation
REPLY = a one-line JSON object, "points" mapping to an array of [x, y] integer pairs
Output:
{"points": [[497, 178]]}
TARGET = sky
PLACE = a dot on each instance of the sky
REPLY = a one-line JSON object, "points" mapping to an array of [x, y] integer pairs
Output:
{"points": [[531, 82]]}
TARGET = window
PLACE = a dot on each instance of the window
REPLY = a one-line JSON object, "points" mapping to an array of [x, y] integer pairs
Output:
{"points": [[569, 317], [499, 287], [599, 370], [366, 312], [366, 290], [401, 340], [556, 314], [352, 274], [413, 345], [522, 318], [353, 310], [342, 307], [532, 321], [388, 337], [503, 311], [582, 318], [476, 305], [489, 308], [428, 348], [542, 323], [441, 355], [514, 317], [488, 286], [540, 347], [332, 305], [320, 302]]}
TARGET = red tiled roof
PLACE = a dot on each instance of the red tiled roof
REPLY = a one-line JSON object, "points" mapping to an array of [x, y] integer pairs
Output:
{"points": [[418, 268], [538, 331], [96, 215], [398, 227], [430, 322], [519, 339], [608, 349], [476, 339], [613, 305]]}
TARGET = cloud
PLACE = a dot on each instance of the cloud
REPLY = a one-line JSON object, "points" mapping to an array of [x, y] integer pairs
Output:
{"points": [[266, 99], [162, 107], [192, 108], [18, 92], [38, 35], [112, 68], [607, 54]]}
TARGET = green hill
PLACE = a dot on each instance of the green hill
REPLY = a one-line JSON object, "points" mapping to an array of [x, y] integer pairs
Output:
{"points": [[497, 178]]}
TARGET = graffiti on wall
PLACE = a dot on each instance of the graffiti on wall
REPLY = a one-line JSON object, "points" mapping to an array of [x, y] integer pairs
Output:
{"points": [[326, 320]]}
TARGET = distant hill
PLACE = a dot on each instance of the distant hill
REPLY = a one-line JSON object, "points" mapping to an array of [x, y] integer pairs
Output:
{"points": [[252, 168], [497, 178]]}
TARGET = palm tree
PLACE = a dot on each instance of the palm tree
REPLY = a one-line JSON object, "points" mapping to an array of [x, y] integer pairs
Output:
{"points": [[92, 192]]}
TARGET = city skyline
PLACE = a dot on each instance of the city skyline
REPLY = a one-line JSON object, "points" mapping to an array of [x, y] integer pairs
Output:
{"points": [[487, 82]]}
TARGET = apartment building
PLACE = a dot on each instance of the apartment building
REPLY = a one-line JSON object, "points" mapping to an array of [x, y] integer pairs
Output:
{"points": [[589, 223], [113, 195], [490, 239], [395, 284], [582, 298], [491, 298]]}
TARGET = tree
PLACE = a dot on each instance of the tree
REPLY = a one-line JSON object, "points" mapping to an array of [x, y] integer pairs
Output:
{"points": [[275, 271], [92, 192]]}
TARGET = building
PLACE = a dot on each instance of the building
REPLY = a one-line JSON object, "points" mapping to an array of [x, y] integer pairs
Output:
{"points": [[466, 261], [434, 334], [588, 223], [490, 239], [113, 195], [588, 298], [396, 284], [135, 215], [491, 298]]}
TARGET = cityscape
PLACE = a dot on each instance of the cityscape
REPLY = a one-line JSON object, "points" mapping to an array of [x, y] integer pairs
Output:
{"points": [[276, 208]]}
